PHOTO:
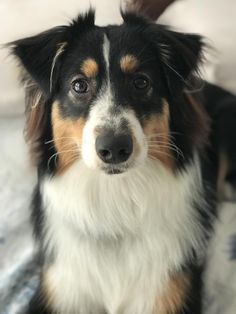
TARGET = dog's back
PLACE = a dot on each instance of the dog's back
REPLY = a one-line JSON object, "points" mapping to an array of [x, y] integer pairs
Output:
{"points": [[221, 106]]}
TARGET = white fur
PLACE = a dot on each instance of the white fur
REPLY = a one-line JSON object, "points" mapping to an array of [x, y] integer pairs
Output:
{"points": [[106, 52], [115, 239], [60, 50]]}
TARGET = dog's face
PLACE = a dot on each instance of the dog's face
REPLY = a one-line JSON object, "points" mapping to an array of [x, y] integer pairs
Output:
{"points": [[107, 90], [110, 101]]}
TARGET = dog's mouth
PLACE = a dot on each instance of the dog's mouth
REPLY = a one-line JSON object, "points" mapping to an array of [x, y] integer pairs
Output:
{"points": [[114, 169]]}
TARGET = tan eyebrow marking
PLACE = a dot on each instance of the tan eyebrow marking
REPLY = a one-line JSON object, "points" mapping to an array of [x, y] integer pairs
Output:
{"points": [[128, 63], [89, 68]]}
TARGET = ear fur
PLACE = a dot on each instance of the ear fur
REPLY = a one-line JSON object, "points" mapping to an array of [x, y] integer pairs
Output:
{"points": [[40, 55], [180, 54], [36, 54]]}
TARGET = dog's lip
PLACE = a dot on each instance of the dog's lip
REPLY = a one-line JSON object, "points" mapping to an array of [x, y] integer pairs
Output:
{"points": [[114, 169]]}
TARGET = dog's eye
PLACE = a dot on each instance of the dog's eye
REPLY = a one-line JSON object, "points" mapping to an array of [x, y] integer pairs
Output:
{"points": [[80, 86], [141, 83]]}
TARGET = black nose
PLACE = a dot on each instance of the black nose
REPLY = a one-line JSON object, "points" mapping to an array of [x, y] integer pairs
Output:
{"points": [[114, 149]]}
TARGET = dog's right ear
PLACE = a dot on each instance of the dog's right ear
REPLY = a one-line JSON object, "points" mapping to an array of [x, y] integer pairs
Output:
{"points": [[37, 55], [40, 55]]}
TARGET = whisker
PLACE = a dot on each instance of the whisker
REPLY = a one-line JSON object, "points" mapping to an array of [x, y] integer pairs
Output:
{"points": [[155, 149], [57, 154], [60, 138], [171, 143], [71, 160], [176, 72], [161, 142], [157, 143], [173, 148], [161, 134], [167, 144], [55, 160], [163, 153], [63, 146]]}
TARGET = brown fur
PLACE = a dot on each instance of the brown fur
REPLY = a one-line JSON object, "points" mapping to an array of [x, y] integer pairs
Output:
{"points": [[173, 298], [89, 68], [128, 63], [65, 134], [156, 128], [35, 116]]}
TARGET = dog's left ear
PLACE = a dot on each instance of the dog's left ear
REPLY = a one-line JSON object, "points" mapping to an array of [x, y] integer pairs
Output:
{"points": [[179, 53]]}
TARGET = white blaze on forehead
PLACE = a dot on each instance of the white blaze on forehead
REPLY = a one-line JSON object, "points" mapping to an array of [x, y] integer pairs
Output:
{"points": [[106, 52]]}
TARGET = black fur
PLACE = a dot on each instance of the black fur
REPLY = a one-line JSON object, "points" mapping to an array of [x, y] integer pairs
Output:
{"points": [[37, 305], [221, 106]]}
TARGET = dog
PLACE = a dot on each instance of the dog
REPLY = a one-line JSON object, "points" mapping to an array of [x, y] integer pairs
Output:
{"points": [[127, 175]]}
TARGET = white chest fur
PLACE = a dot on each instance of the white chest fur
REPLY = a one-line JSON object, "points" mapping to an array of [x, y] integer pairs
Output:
{"points": [[116, 238]]}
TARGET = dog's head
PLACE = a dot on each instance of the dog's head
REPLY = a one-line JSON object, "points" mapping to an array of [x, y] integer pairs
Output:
{"points": [[109, 96]]}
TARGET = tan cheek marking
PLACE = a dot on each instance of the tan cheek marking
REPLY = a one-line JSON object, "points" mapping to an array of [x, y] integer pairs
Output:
{"points": [[66, 133], [89, 67], [156, 128], [173, 298], [128, 63]]}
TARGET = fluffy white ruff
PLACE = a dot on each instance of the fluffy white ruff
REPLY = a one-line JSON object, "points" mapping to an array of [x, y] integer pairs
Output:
{"points": [[117, 238]]}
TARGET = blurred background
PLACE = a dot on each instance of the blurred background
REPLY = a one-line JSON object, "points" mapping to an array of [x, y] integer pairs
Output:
{"points": [[215, 19]]}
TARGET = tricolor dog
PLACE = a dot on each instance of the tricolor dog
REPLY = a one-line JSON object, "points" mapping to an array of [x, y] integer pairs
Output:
{"points": [[127, 176]]}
